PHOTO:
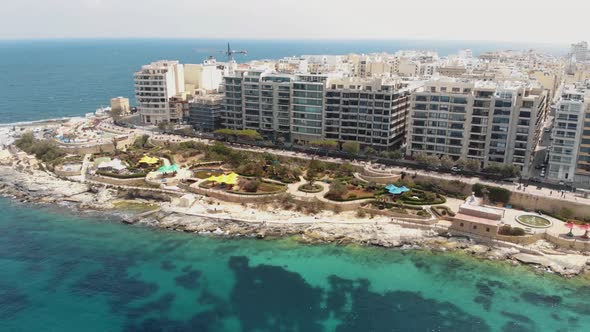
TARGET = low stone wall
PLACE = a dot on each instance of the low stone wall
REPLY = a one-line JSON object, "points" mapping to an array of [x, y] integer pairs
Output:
{"points": [[60, 172], [85, 148], [389, 213], [522, 240], [380, 179], [564, 243], [116, 181], [229, 197], [550, 204]]}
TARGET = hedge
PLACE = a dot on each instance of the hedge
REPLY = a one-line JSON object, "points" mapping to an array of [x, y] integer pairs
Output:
{"points": [[511, 231], [122, 176], [319, 189], [443, 211]]}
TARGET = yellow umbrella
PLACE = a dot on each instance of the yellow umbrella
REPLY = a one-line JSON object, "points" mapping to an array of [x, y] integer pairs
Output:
{"points": [[148, 160]]}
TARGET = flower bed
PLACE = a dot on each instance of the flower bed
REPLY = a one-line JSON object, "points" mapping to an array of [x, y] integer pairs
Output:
{"points": [[421, 198], [312, 189], [443, 211]]}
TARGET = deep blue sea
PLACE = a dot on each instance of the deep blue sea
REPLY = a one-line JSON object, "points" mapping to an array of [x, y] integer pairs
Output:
{"points": [[42, 79], [65, 272]]}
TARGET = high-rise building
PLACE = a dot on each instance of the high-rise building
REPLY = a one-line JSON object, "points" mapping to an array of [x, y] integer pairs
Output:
{"points": [[580, 51], [486, 121], [205, 112], [371, 112], [567, 135], [306, 107], [155, 84], [582, 176]]}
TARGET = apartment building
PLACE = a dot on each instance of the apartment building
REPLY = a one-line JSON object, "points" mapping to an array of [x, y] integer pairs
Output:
{"points": [[155, 84], [306, 107], [568, 154], [582, 176], [205, 112], [485, 121], [259, 100], [371, 112], [580, 51]]}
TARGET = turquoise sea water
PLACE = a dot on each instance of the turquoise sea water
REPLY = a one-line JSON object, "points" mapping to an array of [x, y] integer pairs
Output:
{"points": [[42, 79], [61, 272]]}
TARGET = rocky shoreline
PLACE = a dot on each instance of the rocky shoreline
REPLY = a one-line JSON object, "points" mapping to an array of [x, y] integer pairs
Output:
{"points": [[34, 185]]}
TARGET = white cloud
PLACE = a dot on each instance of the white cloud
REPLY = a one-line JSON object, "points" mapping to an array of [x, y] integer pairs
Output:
{"points": [[506, 20]]}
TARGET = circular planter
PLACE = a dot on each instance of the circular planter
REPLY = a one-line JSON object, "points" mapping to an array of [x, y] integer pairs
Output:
{"points": [[533, 221]]}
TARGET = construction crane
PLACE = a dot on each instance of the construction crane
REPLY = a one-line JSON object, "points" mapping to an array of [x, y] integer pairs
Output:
{"points": [[230, 53]]}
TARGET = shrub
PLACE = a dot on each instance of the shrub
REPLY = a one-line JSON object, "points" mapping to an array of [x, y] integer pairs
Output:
{"points": [[44, 150], [337, 190], [351, 147], [443, 211], [511, 231], [360, 213], [252, 186]]}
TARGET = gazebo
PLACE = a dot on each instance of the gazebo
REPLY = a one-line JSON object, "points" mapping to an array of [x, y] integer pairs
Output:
{"points": [[392, 189]]}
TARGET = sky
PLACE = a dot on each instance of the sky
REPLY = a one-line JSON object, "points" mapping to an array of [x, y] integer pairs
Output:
{"points": [[539, 21]]}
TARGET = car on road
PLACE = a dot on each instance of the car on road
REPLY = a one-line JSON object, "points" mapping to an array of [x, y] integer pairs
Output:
{"points": [[538, 166]]}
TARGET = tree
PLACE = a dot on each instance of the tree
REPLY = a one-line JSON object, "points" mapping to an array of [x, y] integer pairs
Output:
{"points": [[44, 150], [346, 169], [252, 186], [351, 147], [249, 135], [473, 165], [395, 155], [502, 170], [421, 158], [311, 175], [326, 144], [446, 162], [369, 151], [225, 132], [432, 161], [141, 141], [337, 190]]}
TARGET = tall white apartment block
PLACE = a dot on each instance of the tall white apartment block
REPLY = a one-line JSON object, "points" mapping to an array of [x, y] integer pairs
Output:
{"points": [[580, 51], [486, 121], [567, 133], [302, 108], [155, 84]]}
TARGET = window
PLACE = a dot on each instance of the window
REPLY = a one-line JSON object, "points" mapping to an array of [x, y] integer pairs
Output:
{"points": [[461, 224], [474, 227], [487, 229]]}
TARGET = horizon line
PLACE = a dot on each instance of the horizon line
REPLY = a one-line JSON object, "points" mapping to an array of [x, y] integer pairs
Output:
{"points": [[554, 43]]}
